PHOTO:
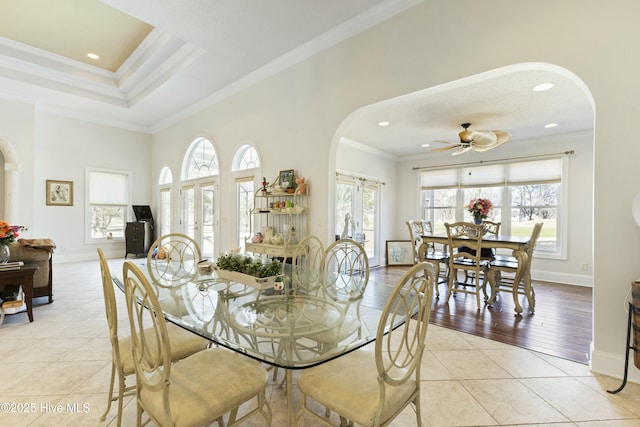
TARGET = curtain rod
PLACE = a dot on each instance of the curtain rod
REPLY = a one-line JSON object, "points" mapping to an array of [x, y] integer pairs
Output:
{"points": [[360, 178], [480, 162]]}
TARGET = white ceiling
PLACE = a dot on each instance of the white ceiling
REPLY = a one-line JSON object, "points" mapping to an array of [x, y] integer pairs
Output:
{"points": [[500, 100], [201, 51]]}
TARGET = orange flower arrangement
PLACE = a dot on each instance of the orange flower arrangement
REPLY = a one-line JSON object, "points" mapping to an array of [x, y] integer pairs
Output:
{"points": [[9, 233]]}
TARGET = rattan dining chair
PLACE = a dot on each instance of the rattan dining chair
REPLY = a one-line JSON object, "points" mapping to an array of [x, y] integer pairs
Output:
{"points": [[510, 265], [198, 390], [469, 260], [183, 343], [372, 385]]}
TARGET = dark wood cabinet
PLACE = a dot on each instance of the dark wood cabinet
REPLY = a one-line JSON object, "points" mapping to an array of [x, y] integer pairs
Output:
{"points": [[138, 237]]}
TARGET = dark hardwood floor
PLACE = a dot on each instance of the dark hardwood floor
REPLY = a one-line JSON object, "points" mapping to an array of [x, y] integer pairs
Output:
{"points": [[561, 325]]}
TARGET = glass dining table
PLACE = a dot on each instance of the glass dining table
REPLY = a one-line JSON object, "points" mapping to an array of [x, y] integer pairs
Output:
{"points": [[310, 322]]}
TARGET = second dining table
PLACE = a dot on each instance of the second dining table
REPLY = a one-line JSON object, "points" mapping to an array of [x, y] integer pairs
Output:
{"points": [[517, 244], [278, 328]]}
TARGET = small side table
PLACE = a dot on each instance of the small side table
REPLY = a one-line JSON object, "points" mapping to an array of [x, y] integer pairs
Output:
{"points": [[23, 277]]}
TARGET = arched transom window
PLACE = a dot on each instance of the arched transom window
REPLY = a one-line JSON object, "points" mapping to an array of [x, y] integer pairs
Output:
{"points": [[201, 160]]}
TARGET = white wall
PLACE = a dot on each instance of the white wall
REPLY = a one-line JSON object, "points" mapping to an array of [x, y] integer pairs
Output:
{"points": [[47, 146], [294, 117], [63, 148]]}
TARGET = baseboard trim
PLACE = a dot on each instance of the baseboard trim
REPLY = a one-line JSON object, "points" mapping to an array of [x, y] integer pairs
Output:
{"points": [[569, 279], [612, 365]]}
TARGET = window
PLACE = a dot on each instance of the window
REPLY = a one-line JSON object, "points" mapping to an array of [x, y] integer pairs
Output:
{"points": [[246, 170], [108, 194], [201, 160], [358, 213], [522, 193], [198, 189], [165, 185]]}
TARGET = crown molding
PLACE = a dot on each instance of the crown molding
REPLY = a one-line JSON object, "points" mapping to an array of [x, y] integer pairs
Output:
{"points": [[158, 59]]}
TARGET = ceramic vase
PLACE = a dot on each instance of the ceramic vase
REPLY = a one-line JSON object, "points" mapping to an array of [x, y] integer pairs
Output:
{"points": [[5, 254]]}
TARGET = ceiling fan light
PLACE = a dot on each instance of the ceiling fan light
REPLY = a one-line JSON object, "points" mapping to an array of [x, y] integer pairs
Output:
{"points": [[542, 87], [466, 136]]}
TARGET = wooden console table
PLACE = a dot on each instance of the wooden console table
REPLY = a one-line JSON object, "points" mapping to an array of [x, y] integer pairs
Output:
{"points": [[23, 277]]}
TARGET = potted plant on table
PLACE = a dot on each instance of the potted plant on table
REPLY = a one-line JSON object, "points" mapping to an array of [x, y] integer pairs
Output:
{"points": [[248, 270]]}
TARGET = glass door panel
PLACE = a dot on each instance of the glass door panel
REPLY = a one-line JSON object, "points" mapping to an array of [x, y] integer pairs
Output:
{"points": [[357, 208], [206, 237]]}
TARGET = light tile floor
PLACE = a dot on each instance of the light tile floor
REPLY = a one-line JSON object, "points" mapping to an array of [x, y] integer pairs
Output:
{"points": [[55, 372]]}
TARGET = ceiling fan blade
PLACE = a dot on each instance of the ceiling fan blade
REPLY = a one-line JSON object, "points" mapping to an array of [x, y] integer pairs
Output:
{"points": [[502, 136], [461, 150], [442, 141], [447, 148], [483, 148], [483, 138]]}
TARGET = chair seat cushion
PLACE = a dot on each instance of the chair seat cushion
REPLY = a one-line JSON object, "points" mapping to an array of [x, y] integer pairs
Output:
{"points": [[207, 385], [505, 264], [436, 256], [183, 344], [359, 397]]}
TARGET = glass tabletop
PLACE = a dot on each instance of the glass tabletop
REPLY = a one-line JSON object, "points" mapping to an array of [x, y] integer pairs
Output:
{"points": [[307, 323]]}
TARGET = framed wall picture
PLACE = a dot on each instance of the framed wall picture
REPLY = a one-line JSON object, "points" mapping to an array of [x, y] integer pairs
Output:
{"points": [[399, 252], [59, 193], [286, 177]]}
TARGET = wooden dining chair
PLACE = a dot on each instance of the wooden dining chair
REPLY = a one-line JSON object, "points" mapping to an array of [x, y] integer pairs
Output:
{"points": [[491, 228], [372, 385], [468, 260], [198, 390], [183, 343], [511, 265], [424, 251]]}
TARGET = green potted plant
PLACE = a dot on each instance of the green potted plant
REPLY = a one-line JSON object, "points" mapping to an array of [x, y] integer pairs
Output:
{"points": [[248, 270]]}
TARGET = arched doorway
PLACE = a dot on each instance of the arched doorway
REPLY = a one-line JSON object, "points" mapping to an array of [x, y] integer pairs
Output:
{"points": [[10, 187], [497, 99]]}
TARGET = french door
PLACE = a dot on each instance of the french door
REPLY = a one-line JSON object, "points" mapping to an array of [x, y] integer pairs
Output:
{"points": [[357, 214], [198, 215]]}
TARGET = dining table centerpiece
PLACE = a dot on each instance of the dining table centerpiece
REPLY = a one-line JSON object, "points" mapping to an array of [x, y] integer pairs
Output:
{"points": [[248, 270], [8, 234], [480, 209]]}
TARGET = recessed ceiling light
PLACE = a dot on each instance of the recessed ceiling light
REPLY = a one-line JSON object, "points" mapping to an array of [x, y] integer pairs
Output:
{"points": [[542, 87], [383, 124], [425, 145], [550, 125], [93, 55]]}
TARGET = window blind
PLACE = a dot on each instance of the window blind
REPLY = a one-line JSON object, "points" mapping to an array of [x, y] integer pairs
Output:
{"points": [[520, 173], [106, 188]]}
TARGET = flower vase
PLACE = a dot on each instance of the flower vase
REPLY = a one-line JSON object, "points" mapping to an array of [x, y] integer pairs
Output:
{"points": [[477, 220], [4, 254]]}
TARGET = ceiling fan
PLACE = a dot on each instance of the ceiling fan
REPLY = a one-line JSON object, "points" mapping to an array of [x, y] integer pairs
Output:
{"points": [[477, 140]]}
